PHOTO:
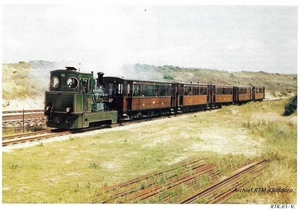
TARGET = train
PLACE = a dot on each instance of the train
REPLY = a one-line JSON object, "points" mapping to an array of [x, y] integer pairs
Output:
{"points": [[77, 100]]}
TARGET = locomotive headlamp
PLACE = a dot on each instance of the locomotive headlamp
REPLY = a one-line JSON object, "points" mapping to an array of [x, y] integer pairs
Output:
{"points": [[68, 109], [48, 108]]}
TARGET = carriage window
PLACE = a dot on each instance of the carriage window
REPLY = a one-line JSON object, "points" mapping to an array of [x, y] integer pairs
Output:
{"points": [[196, 91], [54, 82], [242, 91], [228, 90], [128, 90], [151, 91], [120, 88], [224, 91], [72, 82], [187, 90], [136, 90], [144, 90], [160, 91], [203, 90], [259, 90], [163, 91], [110, 89], [167, 91], [155, 90]]}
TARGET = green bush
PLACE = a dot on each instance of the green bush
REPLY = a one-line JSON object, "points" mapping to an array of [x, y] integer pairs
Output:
{"points": [[168, 77], [291, 106]]}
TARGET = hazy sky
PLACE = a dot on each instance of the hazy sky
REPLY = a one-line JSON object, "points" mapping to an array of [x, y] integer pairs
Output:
{"points": [[231, 38]]}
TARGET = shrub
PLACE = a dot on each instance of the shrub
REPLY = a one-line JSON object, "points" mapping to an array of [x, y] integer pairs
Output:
{"points": [[291, 106], [168, 77]]}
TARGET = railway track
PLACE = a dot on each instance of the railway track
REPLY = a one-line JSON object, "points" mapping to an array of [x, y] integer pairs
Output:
{"points": [[21, 111], [45, 134], [224, 189], [30, 137], [19, 114], [188, 181]]}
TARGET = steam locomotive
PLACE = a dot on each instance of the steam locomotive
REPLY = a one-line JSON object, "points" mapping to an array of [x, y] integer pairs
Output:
{"points": [[76, 100]]}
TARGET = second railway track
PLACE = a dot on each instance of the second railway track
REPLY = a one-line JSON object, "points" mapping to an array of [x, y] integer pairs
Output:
{"points": [[186, 182]]}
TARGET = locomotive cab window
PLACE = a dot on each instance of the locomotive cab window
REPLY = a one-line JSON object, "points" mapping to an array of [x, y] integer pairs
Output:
{"points": [[72, 82], [84, 85], [54, 82]]}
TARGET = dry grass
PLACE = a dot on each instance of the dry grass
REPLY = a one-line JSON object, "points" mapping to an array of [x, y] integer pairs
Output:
{"points": [[73, 171]]}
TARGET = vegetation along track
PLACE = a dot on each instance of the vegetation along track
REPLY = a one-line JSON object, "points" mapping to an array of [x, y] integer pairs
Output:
{"points": [[188, 181]]}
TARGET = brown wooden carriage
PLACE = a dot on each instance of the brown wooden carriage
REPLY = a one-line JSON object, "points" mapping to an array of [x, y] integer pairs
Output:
{"points": [[135, 98]]}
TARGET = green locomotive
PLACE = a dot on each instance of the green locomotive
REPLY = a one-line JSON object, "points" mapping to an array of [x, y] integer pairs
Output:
{"points": [[76, 100]]}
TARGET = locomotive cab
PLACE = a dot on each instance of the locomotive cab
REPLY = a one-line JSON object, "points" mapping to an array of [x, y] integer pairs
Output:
{"points": [[74, 101]]}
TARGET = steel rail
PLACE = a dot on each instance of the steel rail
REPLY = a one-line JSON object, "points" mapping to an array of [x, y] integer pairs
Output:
{"points": [[149, 180], [15, 136], [154, 189], [32, 138], [225, 182], [21, 111], [173, 184]]}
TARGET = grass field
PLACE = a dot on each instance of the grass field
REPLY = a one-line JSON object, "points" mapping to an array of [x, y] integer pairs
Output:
{"points": [[74, 170]]}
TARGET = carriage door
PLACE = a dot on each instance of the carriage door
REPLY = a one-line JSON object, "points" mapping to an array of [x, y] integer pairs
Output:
{"points": [[180, 95], [253, 93], [173, 95], [210, 95], [235, 94], [127, 97]]}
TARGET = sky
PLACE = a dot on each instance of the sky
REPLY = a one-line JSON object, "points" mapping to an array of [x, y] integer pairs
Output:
{"points": [[107, 36]]}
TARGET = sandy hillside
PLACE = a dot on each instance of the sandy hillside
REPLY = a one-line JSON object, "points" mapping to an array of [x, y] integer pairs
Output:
{"points": [[26, 104]]}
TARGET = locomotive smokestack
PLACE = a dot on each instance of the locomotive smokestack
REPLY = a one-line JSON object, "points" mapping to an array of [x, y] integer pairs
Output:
{"points": [[100, 79]]}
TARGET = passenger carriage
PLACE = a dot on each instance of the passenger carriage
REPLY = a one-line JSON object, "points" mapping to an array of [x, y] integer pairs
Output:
{"points": [[192, 97], [258, 93], [242, 94], [136, 99], [220, 95]]}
